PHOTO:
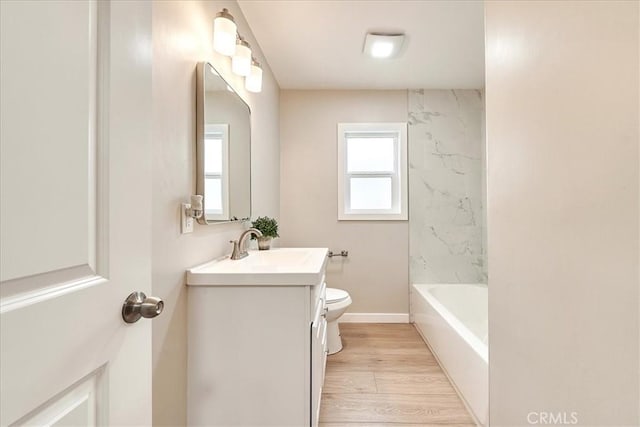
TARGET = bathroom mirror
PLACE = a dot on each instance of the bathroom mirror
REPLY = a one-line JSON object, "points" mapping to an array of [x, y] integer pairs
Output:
{"points": [[223, 148]]}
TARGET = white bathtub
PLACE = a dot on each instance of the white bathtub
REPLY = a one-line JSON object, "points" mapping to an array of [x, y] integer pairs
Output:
{"points": [[453, 320]]}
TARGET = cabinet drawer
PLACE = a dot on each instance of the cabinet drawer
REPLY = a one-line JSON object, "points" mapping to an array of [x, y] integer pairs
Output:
{"points": [[319, 317], [319, 304], [317, 291], [322, 334]]}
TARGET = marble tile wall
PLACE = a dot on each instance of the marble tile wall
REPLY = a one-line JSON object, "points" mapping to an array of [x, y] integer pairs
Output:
{"points": [[446, 169]]}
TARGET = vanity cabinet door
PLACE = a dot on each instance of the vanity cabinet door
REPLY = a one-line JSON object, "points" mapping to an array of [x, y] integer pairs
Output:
{"points": [[318, 357]]}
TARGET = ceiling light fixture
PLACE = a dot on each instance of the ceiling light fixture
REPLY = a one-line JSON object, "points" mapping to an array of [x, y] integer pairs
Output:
{"points": [[224, 33], [382, 45]]}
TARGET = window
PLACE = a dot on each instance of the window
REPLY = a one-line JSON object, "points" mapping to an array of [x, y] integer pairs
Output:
{"points": [[216, 171], [372, 176]]}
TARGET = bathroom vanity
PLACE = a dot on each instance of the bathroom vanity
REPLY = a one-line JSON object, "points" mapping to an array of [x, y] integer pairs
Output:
{"points": [[257, 339]]}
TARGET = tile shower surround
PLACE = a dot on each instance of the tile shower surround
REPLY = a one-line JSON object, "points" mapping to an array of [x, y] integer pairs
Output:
{"points": [[446, 209]]}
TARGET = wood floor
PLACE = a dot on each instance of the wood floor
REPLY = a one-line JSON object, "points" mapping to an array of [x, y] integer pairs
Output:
{"points": [[386, 376]]}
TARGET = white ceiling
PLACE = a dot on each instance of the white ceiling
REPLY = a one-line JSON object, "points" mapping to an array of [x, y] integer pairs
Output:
{"points": [[317, 44]]}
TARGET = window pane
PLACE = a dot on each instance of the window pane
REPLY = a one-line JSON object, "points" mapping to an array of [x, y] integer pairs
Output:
{"points": [[213, 155], [213, 195], [370, 193], [370, 154]]}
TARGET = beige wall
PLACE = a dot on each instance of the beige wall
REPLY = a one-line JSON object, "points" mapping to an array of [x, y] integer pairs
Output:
{"points": [[562, 136], [182, 36], [376, 272]]}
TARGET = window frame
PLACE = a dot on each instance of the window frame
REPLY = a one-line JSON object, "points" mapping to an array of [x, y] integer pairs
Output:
{"points": [[221, 131], [398, 210]]}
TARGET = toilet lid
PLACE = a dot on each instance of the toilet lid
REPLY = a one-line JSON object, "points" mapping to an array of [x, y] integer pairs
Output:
{"points": [[335, 295]]}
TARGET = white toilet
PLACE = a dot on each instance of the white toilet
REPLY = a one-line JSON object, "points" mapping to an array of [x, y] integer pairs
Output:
{"points": [[337, 303]]}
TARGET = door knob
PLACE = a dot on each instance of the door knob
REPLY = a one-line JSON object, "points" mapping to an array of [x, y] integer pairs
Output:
{"points": [[139, 305]]}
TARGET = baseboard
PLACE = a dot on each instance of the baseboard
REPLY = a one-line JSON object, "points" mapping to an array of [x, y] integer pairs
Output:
{"points": [[374, 318]]}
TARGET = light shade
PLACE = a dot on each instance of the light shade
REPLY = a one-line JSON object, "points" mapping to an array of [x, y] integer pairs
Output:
{"points": [[241, 61], [253, 82], [224, 33], [383, 45]]}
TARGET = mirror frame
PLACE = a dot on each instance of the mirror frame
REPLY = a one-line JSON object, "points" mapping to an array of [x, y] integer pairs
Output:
{"points": [[200, 131]]}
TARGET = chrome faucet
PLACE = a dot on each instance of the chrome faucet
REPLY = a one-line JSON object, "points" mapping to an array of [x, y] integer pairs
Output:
{"points": [[239, 250]]}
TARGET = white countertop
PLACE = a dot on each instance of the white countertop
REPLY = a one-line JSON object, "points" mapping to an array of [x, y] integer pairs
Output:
{"points": [[275, 267]]}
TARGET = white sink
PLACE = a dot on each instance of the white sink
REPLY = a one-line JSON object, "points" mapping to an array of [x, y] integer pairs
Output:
{"points": [[281, 266], [281, 258]]}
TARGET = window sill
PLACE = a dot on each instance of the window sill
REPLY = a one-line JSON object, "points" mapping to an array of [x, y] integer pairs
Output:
{"points": [[372, 217]]}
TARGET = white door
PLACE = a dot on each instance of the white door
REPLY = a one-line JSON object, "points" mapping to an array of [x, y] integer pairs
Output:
{"points": [[75, 223]]}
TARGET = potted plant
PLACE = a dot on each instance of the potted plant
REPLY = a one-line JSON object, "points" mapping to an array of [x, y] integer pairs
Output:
{"points": [[269, 228]]}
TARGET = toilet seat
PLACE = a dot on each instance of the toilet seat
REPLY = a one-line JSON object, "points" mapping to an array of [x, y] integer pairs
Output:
{"points": [[336, 295]]}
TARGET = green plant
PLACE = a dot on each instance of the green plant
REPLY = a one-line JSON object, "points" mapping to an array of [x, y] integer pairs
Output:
{"points": [[268, 226]]}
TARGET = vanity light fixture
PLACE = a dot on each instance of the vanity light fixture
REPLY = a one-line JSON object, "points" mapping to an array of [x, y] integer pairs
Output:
{"points": [[229, 42], [383, 46], [224, 33], [241, 61], [253, 82]]}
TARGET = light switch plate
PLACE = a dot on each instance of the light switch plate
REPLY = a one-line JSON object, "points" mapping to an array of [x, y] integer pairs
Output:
{"points": [[186, 221]]}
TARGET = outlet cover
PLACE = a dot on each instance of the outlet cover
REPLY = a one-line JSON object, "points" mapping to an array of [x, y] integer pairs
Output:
{"points": [[186, 225]]}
